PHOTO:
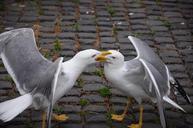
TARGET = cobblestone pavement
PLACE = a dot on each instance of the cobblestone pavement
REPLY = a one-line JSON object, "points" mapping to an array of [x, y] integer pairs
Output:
{"points": [[64, 27]]}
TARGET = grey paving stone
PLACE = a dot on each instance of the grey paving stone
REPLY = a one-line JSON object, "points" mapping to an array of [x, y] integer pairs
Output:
{"points": [[152, 125], [95, 118], [70, 99], [189, 119], [93, 98], [164, 39], [70, 125], [95, 108], [145, 18], [71, 108], [92, 87], [118, 100], [138, 16], [101, 125], [159, 28], [5, 85]]}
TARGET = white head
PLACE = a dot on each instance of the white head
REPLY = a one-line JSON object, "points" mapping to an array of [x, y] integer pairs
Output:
{"points": [[111, 57], [87, 57]]}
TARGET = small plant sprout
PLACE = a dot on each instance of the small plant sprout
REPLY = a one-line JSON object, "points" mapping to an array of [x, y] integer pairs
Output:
{"points": [[158, 2], [76, 26], [165, 22], [114, 30], [105, 92], [99, 72], [47, 54], [108, 117], [80, 82], [136, 34], [76, 1], [1, 65], [57, 45], [57, 109], [152, 32], [83, 102], [110, 10], [9, 79]]}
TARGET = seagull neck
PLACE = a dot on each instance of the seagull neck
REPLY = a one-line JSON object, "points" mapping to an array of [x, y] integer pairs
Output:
{"points": [[76, 65], [114, 66]]}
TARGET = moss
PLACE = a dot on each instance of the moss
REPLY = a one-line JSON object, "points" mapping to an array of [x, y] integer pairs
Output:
{"points": [[8, 78], [165, 22], [110, 10], [83, 102], [76, 1], [114, 30], [83, 113], [40, 11], [57, 109], [76, 26], [57, 45], [105, 92], [1, 65], [136, 34], [80, 82], [109, 120], [99, 72], [152, 32], [158, 2], [47, 55]]}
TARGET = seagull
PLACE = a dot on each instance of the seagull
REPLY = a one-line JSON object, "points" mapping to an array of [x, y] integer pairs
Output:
{"points": [[144, 77], [40, 81]]}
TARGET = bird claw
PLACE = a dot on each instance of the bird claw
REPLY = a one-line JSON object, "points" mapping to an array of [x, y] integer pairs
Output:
{"points": [[61, 117], [117, 117], [134, 126]]}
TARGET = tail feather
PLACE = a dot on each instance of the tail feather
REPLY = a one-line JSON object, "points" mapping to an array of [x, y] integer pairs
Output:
{"points": [[181, 91], [168, 100], [11, 108]]}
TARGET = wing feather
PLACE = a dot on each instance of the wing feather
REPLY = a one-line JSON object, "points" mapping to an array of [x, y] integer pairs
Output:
{"points": [[22, 58], [151, 71], [54, 84], [146, 53]]}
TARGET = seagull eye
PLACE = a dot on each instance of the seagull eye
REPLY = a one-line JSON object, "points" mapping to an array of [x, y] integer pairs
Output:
{"points": [[93, 55], [113, 57]]}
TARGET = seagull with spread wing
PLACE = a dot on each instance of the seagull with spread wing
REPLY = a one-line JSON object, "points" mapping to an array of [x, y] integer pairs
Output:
{"points": [[145, 76], [39, 81]]}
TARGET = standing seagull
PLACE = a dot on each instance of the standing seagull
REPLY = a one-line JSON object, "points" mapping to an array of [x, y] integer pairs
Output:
{"points": [[145, 76], [40, 81]]}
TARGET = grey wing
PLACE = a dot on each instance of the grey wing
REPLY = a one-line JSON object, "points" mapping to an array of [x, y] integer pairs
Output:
{"points": [[53, 90], [146, 53], [143, 74], [43, 94], [22, 59], [138, 75], [158, 81]]}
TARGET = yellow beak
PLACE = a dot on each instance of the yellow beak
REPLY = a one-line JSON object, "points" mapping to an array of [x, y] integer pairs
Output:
{"points": [[102, 56]]}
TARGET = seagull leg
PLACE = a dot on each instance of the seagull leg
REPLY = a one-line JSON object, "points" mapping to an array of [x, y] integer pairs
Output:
{"points": [[43, 120], [122, 116], [139, 125], [61, 117]]}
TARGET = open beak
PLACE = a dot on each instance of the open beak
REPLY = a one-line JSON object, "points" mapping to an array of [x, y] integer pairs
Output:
{"points": [[102, 56]]}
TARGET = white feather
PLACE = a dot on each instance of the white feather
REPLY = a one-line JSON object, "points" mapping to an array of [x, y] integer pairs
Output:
{"points": [[168, 100], [11, 108]]}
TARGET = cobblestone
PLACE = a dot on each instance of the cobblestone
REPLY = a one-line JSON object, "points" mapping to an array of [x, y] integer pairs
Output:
{"points": [[167, 26]]}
